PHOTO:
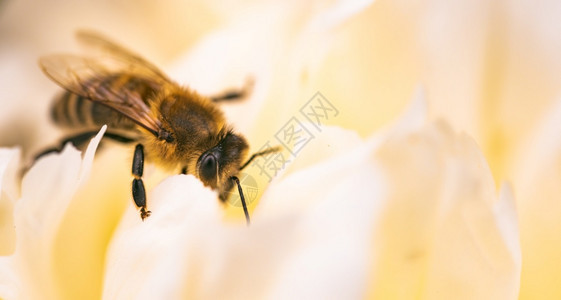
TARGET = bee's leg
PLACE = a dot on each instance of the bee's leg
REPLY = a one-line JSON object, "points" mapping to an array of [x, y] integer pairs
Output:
{"points": [[237, 181], [235, 95], [80, 140], [138, 191]]}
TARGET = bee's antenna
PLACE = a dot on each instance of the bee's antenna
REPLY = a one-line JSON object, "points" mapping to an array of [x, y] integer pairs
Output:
{"points": [[255, 155], [237, 181]]}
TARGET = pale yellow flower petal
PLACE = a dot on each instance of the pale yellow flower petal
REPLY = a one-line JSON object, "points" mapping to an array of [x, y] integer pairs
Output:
{"points": [[334, 205], [442, 233], [180, 205], [411, 212], [46, 192], [277, 256], [9, 163], [333, 148], [426, 223], [9, 193], [538, 189]]}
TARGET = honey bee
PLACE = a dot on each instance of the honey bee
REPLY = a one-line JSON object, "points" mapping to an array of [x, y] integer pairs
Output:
{"points": [[171, 125]]}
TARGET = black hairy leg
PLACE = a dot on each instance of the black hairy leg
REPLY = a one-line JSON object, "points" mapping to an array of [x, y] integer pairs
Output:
{"points": [[80, 140], [138, 190]]}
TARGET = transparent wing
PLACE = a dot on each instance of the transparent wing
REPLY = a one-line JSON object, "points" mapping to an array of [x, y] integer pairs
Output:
{"points": [[107, 48], [106, 81]]}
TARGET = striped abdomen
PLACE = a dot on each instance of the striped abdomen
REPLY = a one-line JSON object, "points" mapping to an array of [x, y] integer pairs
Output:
{"points": [[76, 112]]}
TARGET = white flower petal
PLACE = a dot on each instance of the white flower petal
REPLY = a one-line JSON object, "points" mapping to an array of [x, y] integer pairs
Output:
{"points": [[9, 192], [506, 216], [333, 149], [441, 234], [332, 253], [330, 142], [428, 201], [88, 156], [293, 233], [179, 204], [414, 116], [337, 13], [202, 252], [47, 190], [537, 183], [9, 164], [9, 161], [10, 284]]}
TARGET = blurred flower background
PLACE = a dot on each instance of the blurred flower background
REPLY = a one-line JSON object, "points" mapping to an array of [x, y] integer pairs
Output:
{"points": [[460, 186]]}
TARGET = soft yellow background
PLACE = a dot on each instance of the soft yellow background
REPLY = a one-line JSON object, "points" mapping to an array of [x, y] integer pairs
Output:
{"points": [[491, 68]]}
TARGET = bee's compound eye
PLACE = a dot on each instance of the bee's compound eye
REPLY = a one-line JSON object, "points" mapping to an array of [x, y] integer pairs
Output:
{"points": [[207, 167]]}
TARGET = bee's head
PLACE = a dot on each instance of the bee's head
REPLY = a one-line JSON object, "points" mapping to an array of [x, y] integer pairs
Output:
{"points": [[216, 165]]}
